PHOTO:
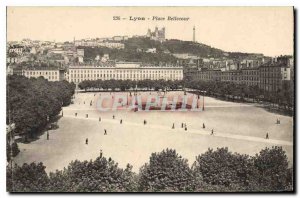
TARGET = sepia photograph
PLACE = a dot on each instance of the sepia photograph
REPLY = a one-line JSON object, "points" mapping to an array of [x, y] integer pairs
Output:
{"points": [[150, 99]]}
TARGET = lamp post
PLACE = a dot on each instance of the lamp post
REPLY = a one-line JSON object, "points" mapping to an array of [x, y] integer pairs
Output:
{"points": [[9, 130], [62, 111], [203, 100], [47, 127], [135, 88], [198, 97]]}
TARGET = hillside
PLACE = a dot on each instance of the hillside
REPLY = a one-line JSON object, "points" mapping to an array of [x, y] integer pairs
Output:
{"points": [[135, 47]]}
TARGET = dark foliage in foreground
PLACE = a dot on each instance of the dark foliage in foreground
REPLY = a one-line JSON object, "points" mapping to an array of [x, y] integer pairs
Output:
{"points": [[213, 171], [27, 178], [224, 168], [101, 175], [166, 170], [273, 171]]}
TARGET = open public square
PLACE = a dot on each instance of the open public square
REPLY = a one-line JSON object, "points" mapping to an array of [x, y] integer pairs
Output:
{"points": [[241, 127]]}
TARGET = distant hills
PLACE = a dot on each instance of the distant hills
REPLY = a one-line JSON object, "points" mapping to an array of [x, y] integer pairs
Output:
{"points": [[135, 46]]}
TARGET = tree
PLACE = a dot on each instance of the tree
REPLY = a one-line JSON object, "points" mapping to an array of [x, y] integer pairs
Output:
{"points": [[31, 101], [213, 171], [224, 168], [166, 171], [272, 165], [101, 175], [27, 178]]}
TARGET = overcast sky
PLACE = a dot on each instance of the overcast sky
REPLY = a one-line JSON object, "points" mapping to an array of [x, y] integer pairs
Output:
{"points": [[267, 30]]}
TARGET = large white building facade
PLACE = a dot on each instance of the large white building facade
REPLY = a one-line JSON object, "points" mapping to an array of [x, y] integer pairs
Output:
{"points": [[49, 74], [123, 71]]}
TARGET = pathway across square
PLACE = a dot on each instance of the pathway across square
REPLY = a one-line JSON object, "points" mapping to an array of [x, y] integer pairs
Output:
{"points": [[240, 127]]}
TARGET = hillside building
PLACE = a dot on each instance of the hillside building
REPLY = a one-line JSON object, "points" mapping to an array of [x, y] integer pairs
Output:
{"points": [[157, 35]]}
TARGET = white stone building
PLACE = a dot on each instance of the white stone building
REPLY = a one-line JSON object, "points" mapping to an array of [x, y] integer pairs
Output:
{"points": [[49, 74], [124, 71]]}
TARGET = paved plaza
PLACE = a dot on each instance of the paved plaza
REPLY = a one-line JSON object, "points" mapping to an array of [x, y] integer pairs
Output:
{"points": [[239, 126]]}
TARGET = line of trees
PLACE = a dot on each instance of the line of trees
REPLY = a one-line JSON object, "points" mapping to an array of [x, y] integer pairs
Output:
{"points": [[124, 85], [222, 90], [31, 101], [166, 171], [232, 91]]}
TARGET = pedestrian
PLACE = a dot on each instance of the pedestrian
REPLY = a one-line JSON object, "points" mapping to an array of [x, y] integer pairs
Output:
{"points": [[181, 125], [212, 132], [87, 115], [105, 132], [267, 135], [113, 116], [62, 113], [145, 122], [121, 121], [99, 119], [86, 141], [173, 127], [185, 128], [83, 102], [203, 126], [75, 114], [47, 135], [101, 153]]}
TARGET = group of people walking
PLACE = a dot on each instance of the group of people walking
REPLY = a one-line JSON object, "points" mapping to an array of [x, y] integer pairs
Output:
{"points": [[184, 126]]}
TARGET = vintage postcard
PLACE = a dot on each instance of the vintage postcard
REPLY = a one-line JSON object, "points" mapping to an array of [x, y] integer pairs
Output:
{"points": [[150, 99]]}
